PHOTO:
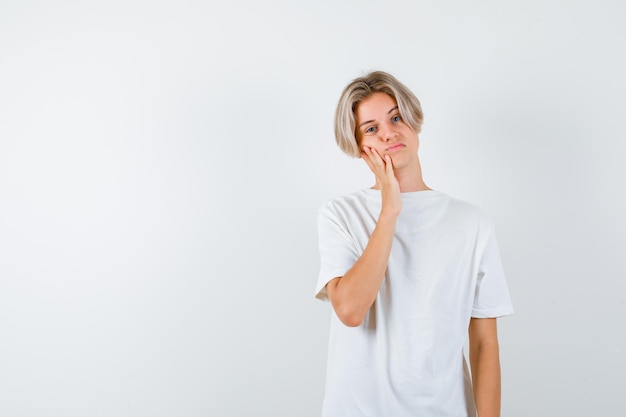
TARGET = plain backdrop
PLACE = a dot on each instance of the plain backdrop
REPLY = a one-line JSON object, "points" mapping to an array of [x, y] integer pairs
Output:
{"points": [[162, 163]]}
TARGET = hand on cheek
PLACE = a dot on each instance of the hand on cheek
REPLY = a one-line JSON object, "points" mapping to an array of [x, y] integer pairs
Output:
{"points": [[382, 167], [379, 165]]}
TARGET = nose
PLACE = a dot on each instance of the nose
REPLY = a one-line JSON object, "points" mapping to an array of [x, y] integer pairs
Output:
{"points": [[386, 132]]}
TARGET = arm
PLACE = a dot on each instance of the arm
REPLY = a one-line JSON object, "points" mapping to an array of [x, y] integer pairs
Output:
{"points": [[353, 294], [485, 363]]}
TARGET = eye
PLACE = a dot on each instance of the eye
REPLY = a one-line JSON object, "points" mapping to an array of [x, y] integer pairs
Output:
{"points": [[370, 129], [396, 118]]}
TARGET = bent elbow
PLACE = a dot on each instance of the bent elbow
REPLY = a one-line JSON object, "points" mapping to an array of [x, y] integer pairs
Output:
{"points": [[350, 317], [348, 310], [352, 321]]}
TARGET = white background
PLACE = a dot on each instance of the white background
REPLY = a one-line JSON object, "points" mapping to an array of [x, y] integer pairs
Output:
{"points": [[161, 165]]}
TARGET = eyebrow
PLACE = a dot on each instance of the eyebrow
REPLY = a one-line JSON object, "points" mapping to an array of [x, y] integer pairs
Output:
{"points": [[370, 121]]}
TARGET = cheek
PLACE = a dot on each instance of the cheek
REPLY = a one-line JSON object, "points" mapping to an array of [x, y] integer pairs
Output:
{"points": [[368, 141]]}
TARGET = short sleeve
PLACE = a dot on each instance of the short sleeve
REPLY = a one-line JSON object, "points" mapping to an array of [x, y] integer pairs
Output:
{"points": [[491, 297], [337, 250]]}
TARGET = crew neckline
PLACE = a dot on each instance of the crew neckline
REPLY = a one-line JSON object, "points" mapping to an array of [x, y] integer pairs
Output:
{"points": [[409, 195]]}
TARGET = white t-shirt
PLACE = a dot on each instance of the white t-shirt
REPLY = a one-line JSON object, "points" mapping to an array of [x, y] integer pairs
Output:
{"points": [[406, 358]]}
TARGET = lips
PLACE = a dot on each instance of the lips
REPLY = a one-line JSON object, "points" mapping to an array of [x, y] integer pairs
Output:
{"points": [[395, 147]]}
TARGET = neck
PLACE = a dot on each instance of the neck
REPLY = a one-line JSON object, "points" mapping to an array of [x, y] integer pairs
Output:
{"points": [[409, 178]]}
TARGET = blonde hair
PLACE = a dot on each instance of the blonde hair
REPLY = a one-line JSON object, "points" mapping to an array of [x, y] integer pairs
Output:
{"points": [[359, 89]]}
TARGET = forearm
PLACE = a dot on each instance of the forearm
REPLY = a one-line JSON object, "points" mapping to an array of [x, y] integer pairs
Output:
{"points": [[485, 364], [353, 294]]}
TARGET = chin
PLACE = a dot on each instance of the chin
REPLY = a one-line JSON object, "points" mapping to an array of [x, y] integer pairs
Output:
{"points": [[401, 161], [398, 160]]}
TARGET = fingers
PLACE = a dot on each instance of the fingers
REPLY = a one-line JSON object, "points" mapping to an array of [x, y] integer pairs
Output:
{"points": [[373, 156], [388, 165], [378, 164], [373, 161]]}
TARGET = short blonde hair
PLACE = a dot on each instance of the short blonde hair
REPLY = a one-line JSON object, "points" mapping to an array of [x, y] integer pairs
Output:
{"points": [[359, 89]]}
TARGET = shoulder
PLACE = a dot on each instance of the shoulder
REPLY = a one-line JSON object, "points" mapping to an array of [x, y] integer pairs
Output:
{"points": [[470, 214], [355, 201]]}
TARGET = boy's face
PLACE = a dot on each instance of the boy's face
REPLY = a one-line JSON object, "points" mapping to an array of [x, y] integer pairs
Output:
{"points": [[380, 126]]}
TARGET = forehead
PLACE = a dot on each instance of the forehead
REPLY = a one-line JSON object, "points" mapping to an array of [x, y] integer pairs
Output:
{"points": [[374, 107]]}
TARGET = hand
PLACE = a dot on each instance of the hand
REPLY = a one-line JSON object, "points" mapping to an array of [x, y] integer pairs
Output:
{"points": [[382, 167]]}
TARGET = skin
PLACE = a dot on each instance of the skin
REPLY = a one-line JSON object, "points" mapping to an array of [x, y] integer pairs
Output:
{"points": [[484, 354], [389, 148]]}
